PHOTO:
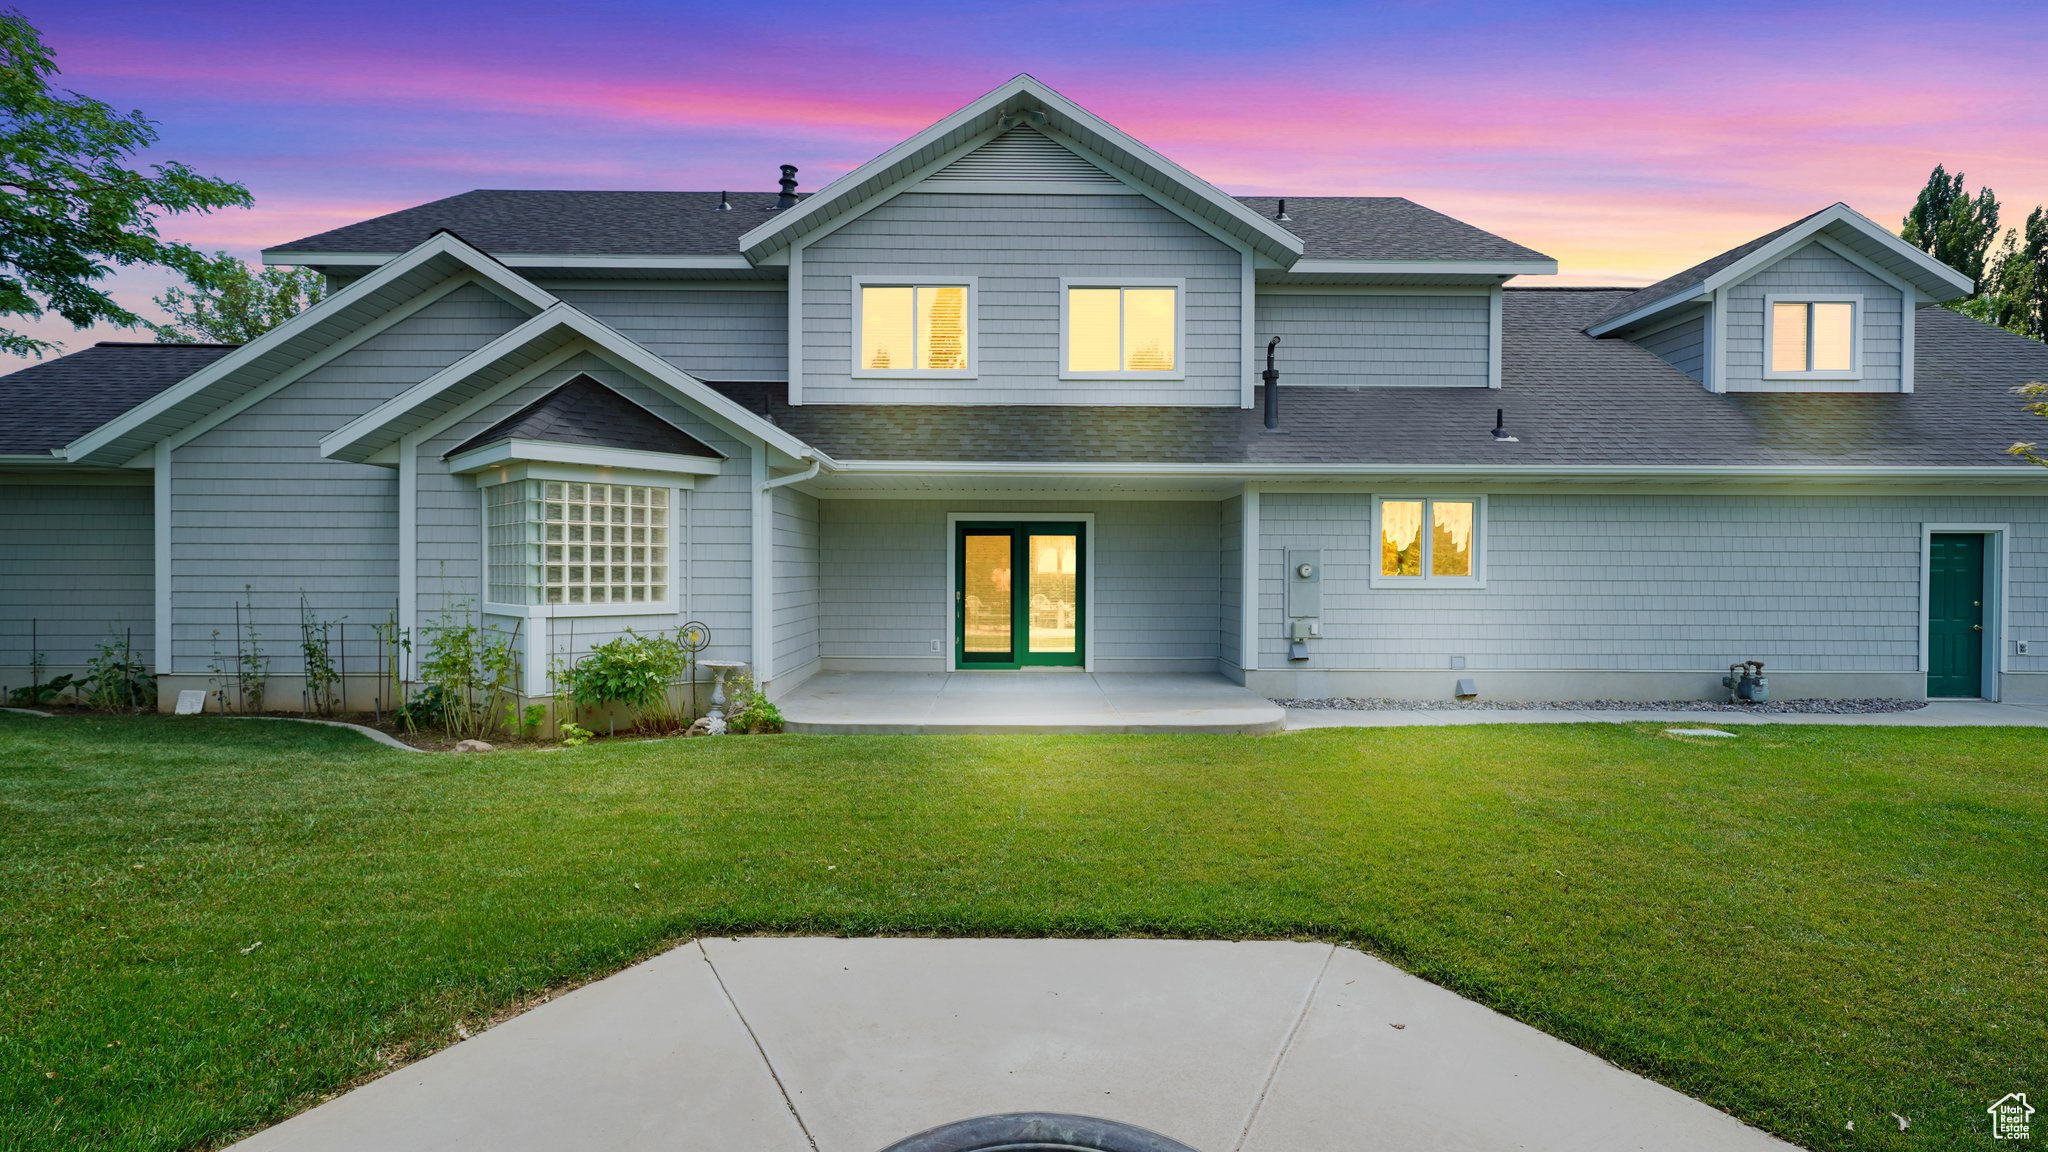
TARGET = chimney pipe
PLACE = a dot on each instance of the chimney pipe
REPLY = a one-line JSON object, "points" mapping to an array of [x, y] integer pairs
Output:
{"points": [[1282, 213], [724, 205], [1272, 378], [787, 199]]}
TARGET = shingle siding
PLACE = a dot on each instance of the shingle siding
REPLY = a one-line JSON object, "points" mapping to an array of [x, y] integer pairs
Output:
{"points": [[1649, 583], [1813, 268], [253, 502], [1230, 583], [798, 581], [1158, 581], [710, 332], [78, 562], [715, 544], [1019, 246], [1682, 345], [1373, 339]]}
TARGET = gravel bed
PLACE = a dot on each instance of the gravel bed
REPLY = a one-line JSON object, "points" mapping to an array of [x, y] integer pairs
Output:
{"points": [[1773, 708]]}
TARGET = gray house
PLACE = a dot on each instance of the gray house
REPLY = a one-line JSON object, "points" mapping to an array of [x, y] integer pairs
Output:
{"points": [[993, 400]]}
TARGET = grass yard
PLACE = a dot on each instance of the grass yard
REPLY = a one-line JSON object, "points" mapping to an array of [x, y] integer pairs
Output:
{"points": [[1805, 926]]}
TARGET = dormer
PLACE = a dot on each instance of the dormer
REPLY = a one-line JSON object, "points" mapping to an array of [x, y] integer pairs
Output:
{"points": [[1824, 304]]}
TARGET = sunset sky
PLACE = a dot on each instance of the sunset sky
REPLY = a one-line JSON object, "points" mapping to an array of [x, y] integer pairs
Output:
{"points": [[1626, 139]]}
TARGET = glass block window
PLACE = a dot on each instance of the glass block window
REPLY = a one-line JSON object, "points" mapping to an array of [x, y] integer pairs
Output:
{"points": [[575, 543]]}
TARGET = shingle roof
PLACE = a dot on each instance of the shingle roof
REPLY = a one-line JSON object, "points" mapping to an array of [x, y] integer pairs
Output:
{"points": [[48, 405], [584, 411], [1383, 228], [1694, 276], [502, 221], [507, 221], [1572, 400]]}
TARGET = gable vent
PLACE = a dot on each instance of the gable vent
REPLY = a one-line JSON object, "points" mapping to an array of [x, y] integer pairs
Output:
{"points": [[1022, 154]]}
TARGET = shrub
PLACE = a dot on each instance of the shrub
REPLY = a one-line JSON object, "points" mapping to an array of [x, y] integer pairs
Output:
{"points": [[748, 709], [468, 677], [118, 680], [631, 671]]}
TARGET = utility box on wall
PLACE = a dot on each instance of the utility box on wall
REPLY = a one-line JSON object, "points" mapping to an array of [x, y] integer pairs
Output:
{"points": [[1304, 583]]}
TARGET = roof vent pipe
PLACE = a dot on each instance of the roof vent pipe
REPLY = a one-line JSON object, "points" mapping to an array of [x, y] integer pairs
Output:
{"points": [[724, 205], [1282, 213], [1500, 428], [1272, 378], [787, 199]]}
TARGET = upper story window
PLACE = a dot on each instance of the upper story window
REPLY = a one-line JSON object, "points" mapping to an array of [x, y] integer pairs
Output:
{"points": [[914, 329], [1428, 541], [1110, 329], [1813, 337], [579, 545]]}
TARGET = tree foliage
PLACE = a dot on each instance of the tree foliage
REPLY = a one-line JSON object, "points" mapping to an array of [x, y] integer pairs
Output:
{"points": [[1951, 225], [2015, 294], [73, 207], [235, 303]]}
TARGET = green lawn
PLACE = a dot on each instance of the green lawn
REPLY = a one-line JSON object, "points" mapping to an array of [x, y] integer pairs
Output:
{"points": [[1805, 926]]}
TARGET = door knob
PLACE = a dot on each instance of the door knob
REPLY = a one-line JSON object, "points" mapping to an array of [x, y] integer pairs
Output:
{"points": [[1976, 627]]}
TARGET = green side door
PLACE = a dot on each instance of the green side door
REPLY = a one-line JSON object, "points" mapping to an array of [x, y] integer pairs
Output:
{"points": [[1955, 615], [1018, 595]]}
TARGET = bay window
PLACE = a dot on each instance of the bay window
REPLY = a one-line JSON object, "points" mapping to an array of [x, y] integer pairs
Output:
{"points": [[580, 545]]}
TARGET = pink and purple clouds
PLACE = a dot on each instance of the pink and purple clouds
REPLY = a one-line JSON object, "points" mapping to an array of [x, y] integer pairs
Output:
{"points": [[1626, 139]]}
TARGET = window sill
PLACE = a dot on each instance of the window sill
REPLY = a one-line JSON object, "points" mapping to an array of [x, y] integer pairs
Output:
{"points": [[1427, 583], [554, 611], [1794, 377], [914, 375], [1176, 375]]}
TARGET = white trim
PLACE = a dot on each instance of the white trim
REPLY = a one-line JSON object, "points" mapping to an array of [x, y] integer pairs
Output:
{"points": [[915, 282], [1908, 317], [1426, 581], [440, 244], [761, 591], [1998, 588], [161, 559], [795, 369], [1271, 288], [2026, 475], [1853, 299], [580, 473], [733, 263], [649, 284], [409, 550], [1248, 599], [1248, 315], [677, 546], [299, 371], [1328, 267], [1716, 359], [1111, 187], [1179, 370], [1496, 336], [1074, 119], [585, 455], [952, 619]]}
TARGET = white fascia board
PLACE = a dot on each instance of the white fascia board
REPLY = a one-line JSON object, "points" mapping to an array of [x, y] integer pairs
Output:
{"points": [[1077, 122], [1327, 267], [1839, 214], [439, 244], [534, 260], [930, 468], [606, 339], [588, 455]]}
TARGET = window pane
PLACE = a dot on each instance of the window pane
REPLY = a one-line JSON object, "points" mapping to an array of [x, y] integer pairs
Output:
{"points": [[1148, 329], [1092, 329], [1055, 596], [1788, 337], [1450, 540], [942, 331], [885, 327], [1401, 538], [1833, 336]]}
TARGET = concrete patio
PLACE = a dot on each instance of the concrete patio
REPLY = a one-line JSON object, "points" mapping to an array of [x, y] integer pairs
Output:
{"points": [[785, 1044], [1063, 700]]}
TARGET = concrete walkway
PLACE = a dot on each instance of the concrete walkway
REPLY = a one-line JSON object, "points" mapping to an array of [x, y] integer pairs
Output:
{"points": [[1046, 700], [789, 1045], [1938, 714]]}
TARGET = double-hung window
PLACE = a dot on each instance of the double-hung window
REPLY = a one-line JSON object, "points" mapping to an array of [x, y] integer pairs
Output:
{"points": [[1813, 337], [914, 329], [1111, 329], [1428, 541], [580, 545]]}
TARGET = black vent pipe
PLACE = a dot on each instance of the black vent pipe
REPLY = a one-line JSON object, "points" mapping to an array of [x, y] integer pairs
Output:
{"points": [[1272, 378], [786, 199]]}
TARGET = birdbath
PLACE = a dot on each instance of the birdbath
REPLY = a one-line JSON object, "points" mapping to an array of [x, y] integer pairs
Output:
{"points": [[720, 669]]}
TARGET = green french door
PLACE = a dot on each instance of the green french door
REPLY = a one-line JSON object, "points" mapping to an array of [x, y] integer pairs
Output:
{"points": [[1955, 614], [1018, 592]]}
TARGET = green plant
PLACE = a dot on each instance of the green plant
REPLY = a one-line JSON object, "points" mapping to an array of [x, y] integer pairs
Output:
{"points": [[748, 709], [530, 720], [472, 673], [394, 645], [322, 678], [119, 681], [251, 668], [575, 735], [44, 691], [631, 671], [424, 710]]}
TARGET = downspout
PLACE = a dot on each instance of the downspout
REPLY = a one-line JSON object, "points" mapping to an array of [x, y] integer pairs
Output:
{"points": [[763, 582], [810, 473]]}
